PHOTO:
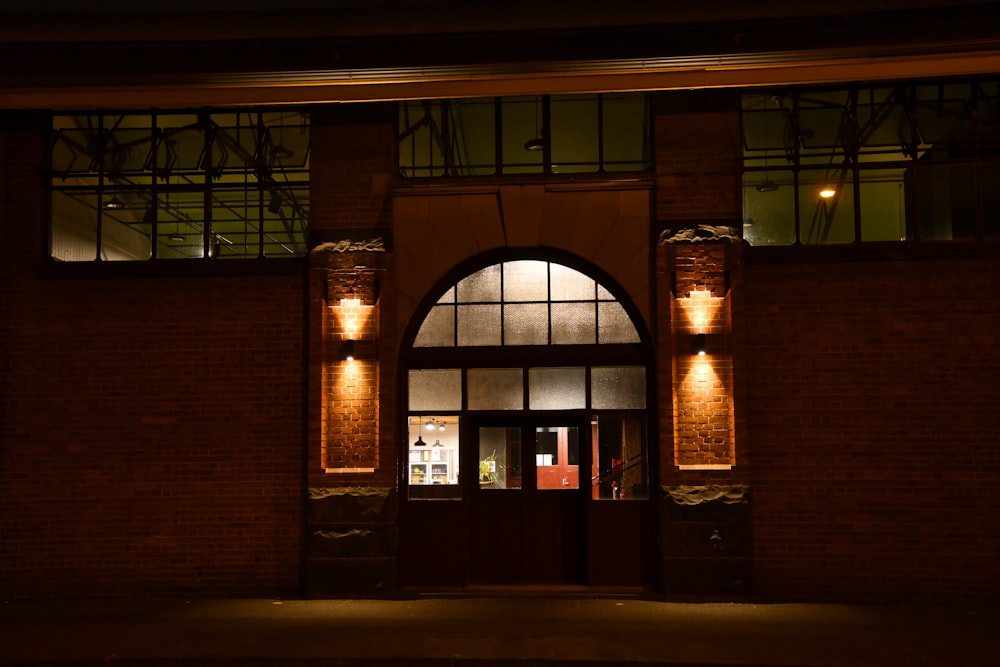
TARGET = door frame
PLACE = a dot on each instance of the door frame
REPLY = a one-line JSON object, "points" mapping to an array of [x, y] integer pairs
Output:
{"points": [[550, 525]]}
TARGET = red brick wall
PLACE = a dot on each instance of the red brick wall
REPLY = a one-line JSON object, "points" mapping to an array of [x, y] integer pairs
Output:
{"points": [[350, 177], [698, 157], [152, 425], [872, 399]]}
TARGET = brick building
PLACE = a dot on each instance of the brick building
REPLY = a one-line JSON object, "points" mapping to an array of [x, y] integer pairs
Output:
{"points": [[382, 298]]}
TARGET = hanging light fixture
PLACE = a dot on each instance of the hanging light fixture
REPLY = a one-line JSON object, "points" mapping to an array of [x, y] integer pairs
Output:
{"points": [[420, 442], [538, 143]]}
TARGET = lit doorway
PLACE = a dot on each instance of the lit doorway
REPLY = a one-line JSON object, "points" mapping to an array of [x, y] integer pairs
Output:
{"points": [[526, 430]]}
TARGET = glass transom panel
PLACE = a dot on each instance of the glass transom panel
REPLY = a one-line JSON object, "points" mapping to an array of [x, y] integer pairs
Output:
{"points": [[526, 302]]}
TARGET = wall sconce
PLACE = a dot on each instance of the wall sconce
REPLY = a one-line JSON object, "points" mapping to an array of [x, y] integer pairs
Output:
{"points": [[698, 345], [347, 350]]}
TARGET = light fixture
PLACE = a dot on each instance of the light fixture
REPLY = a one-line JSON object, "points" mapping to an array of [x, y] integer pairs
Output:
{"points": [[698, 345], [176, 238], [420, 442], [434, 425], [282, 152], [275, 204], [826, 193], [347, 350], [538, 143], [114, 203], [767, 186]]}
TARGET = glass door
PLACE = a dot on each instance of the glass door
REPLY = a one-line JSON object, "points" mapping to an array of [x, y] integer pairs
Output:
{"points": [[527, 509]]}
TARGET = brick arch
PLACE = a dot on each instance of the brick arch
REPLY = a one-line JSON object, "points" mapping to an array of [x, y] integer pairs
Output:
{"points": [[433, 232]]}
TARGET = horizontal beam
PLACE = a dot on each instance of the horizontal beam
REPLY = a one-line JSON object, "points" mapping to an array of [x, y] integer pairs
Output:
{"points": [[373, 85]]}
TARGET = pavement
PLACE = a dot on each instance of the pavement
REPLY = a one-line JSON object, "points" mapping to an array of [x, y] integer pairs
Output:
{"points": [[490, 630]]}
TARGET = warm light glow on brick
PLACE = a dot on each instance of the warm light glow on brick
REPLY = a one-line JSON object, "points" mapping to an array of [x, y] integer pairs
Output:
{"points": [[701, 310], [353, 318]]}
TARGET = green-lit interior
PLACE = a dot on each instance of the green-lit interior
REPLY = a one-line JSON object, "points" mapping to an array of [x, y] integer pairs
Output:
{"points": [[538, 134], [173, 185], [906, 161]]}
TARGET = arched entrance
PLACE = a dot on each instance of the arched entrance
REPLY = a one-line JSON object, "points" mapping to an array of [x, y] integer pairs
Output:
{"points": [[526, 464]]}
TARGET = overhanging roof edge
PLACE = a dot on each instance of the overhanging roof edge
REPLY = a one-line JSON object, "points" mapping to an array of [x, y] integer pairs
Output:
{"points": [[480, 81]]}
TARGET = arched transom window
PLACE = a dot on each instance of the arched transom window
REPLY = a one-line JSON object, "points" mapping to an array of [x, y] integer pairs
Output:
{"points": [[526, 302]]}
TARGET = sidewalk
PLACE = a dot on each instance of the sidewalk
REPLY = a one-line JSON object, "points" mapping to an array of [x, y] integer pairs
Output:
{"points": [[502, 630]]}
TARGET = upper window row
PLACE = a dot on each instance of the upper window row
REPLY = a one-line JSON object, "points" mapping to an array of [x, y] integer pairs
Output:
{"points": [[882, 162], [542, 134], [173, 185]]}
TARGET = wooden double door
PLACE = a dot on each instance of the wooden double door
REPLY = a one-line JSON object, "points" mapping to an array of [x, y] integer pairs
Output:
{"points": [[527, 511], [526, 486]]}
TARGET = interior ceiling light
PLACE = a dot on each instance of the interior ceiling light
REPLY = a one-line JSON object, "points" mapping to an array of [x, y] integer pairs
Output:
{"points": [[275, 204], [434, 425], [767, 186], [176, 237], [826, 193], [282, 152], [114, 203], [534, 145]]}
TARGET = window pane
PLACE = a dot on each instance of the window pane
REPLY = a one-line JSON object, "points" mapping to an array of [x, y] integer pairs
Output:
{"points": [[574, 323], [74, 225], [557, 457], [557, 388], [625, 135], [438, 328], [181, 214], [479, 325], [236, 215], [436, 389], [522, 124], [420, 152], [883, 205], [125, 233], [615, 326], [526, 324], [525, 280], [826, 219], [946, 201], [571, 285], [619, 457], [483, 285], [499, 458], [433, 458], [472, 128], [769, 208], [574, 134], [495, 388], [618, 388]]}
